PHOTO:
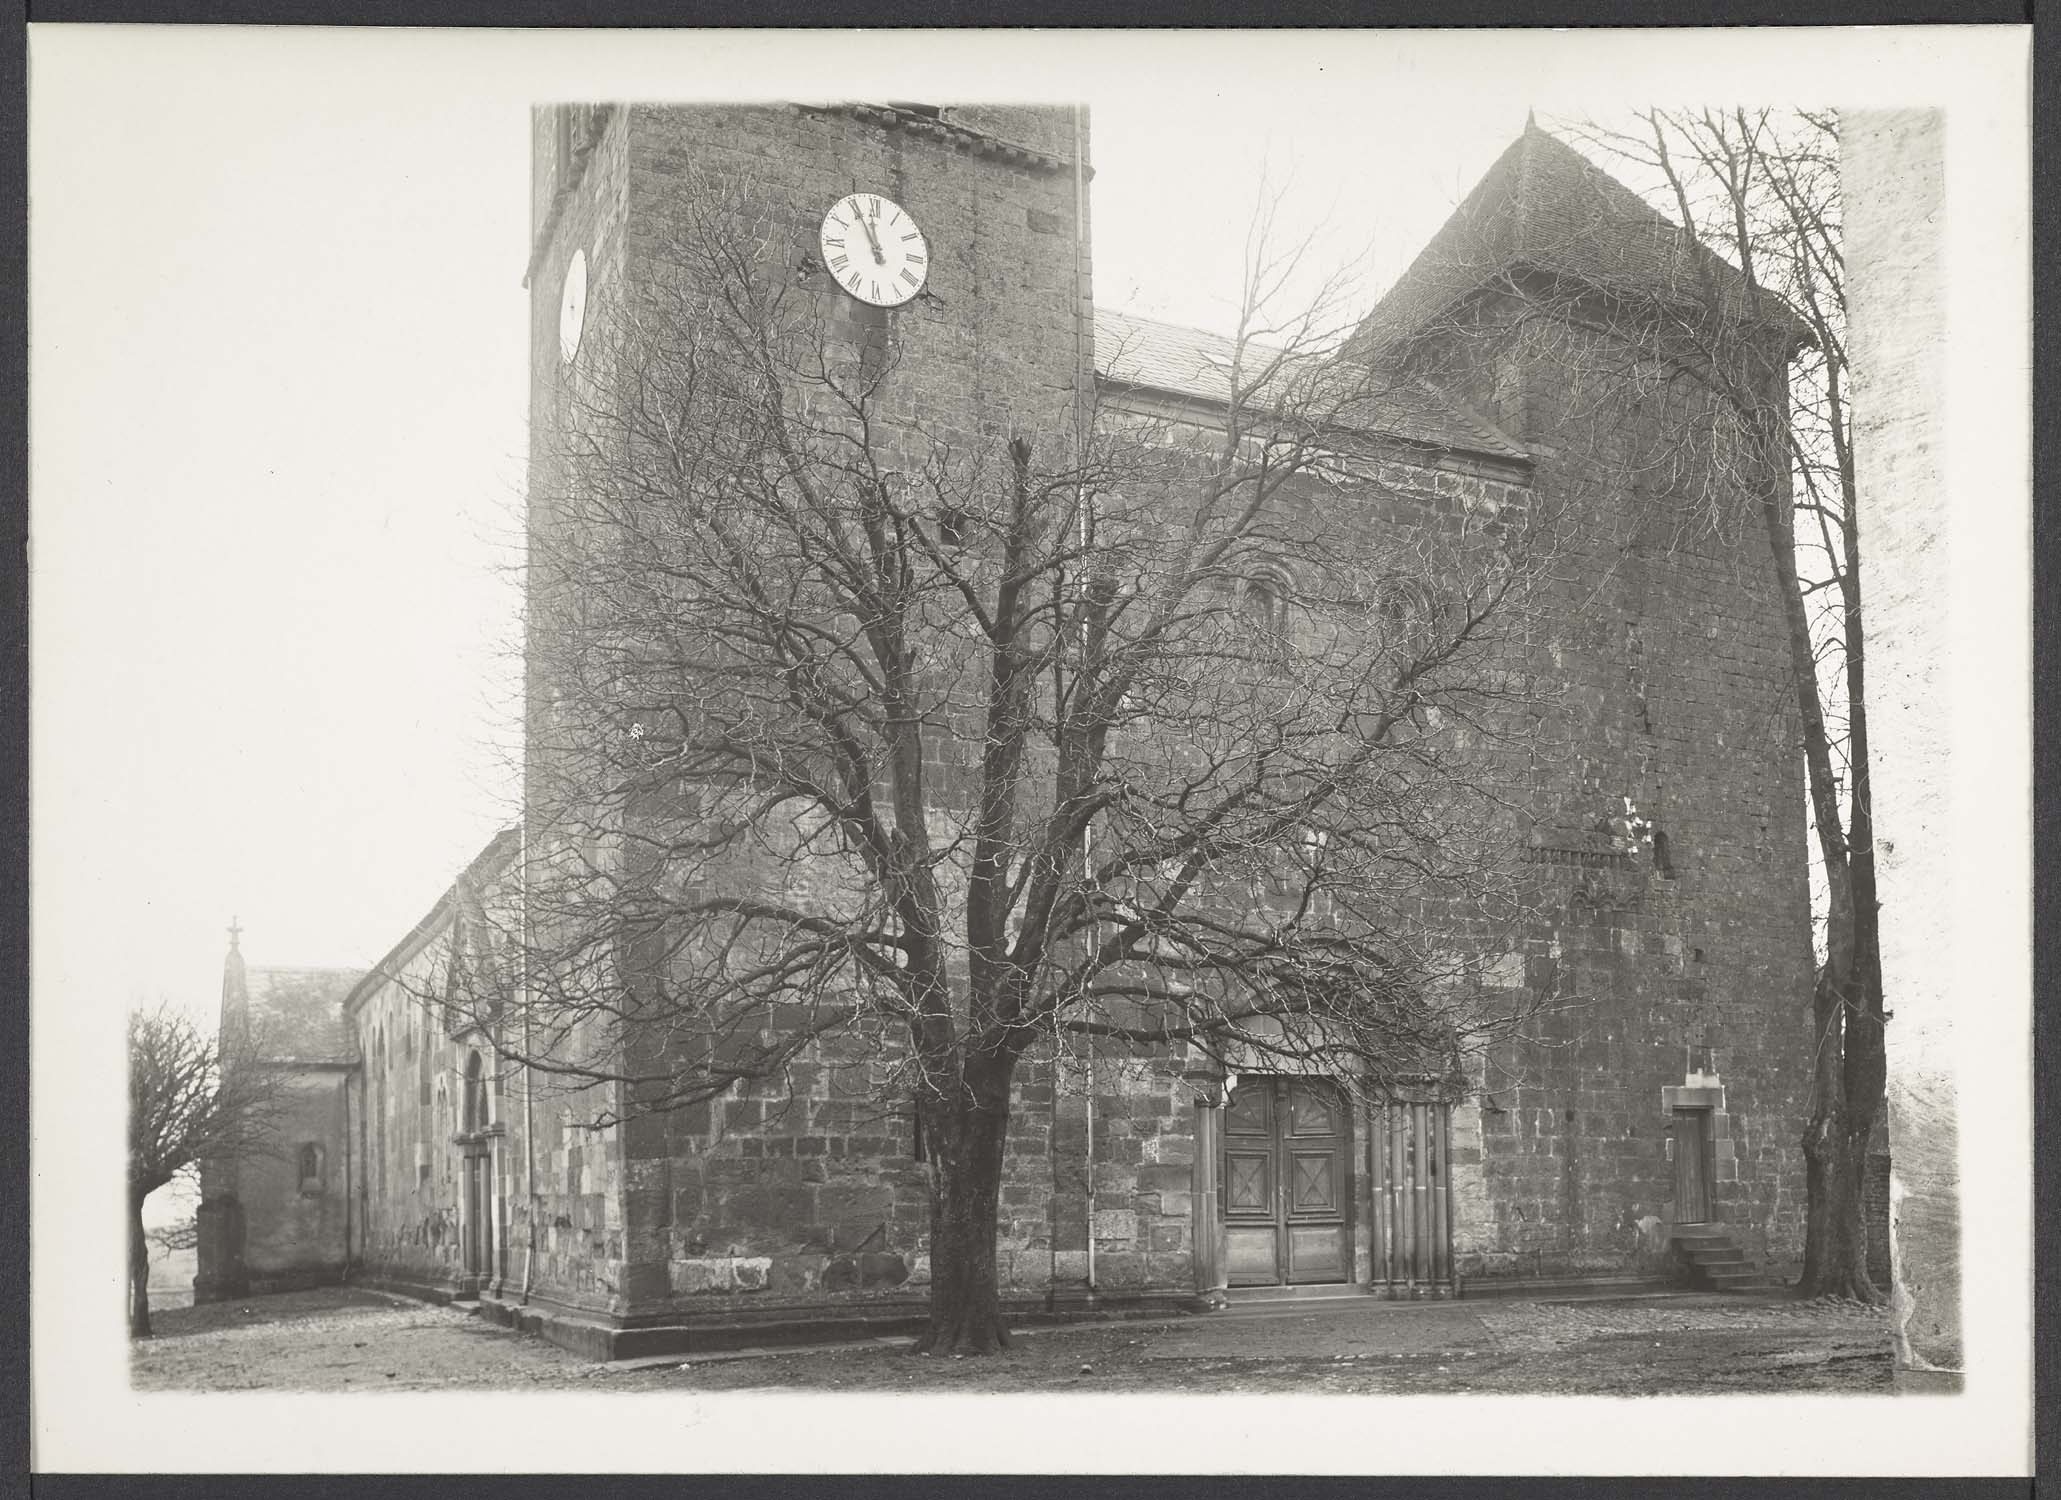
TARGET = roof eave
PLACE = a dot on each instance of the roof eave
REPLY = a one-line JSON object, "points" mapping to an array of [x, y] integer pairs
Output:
{"points": [[1517, 459], [489, 862]]}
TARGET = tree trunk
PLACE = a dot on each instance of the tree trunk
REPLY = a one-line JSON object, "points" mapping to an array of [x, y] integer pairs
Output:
{"points": [[1835, 1153], [139, 1272], [965, 1136], [1846, 1001], [1835, 1234]]}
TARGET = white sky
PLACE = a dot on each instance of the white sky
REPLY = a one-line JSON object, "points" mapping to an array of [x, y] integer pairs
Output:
{"points": [[277, 361], [280, 343]]}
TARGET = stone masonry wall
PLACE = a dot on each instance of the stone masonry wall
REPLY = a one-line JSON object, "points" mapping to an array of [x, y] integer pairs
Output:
{"points": [[294, 1231], [1669, 962], [411, 1140], [412, 1098], [806, 1187], [1670, 679]]}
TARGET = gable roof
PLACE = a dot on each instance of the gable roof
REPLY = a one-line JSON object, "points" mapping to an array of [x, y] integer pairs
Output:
{"points": [[296, 1014], [1545, 206], [1147, 354]]}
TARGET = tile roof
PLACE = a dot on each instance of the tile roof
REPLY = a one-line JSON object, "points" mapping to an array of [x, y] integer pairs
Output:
{"points": [[298, 1013], [1144, 352], [1545, 206]]}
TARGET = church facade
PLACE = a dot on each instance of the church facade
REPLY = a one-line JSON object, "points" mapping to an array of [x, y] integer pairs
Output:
{"points": [[1657, 1104]]}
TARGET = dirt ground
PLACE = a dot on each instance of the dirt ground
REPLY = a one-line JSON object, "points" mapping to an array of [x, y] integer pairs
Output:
{"points": [[340, 1339], [347, 1339]]}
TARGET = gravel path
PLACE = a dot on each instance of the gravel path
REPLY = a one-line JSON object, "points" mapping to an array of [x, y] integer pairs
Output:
{"points": [[340, 1340]]}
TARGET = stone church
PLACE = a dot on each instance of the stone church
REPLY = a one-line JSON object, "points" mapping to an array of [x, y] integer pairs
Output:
{"points": [[1651, 1129]]}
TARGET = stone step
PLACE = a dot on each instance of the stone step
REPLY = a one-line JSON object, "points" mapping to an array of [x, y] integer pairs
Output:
{"points": [[1557, 1288], [1738, 1281], [1714, 1262], [1321, 1292]]}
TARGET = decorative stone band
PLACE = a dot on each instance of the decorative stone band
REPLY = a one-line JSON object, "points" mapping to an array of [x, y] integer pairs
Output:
{"points": [[1584, 859], [965, 137]]}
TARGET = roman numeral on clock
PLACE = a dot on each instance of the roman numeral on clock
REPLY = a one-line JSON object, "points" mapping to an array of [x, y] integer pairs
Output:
{"points": [[838, 262]]}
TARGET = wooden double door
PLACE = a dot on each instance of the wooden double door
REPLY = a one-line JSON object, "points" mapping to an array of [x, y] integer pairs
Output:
{"points": [[1287, 1183]]}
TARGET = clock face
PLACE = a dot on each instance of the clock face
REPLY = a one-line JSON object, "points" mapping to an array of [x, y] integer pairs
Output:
{"points": [[572, 307], [875, 250]]}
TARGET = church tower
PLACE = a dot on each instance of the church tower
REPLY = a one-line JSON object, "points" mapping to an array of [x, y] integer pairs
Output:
{"points": [[984, 331], [941, 253]]}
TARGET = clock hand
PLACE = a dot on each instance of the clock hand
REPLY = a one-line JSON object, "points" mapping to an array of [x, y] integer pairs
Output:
{"points": [[872, 239]]}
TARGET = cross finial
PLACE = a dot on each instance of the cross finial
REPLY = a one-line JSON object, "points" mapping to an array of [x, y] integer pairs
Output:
{"points": [[235, 932]]}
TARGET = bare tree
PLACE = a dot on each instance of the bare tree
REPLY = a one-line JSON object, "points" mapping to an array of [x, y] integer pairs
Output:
{"points": [[873, 743], [192, 1096], [1757, 195], [171, 1238]]}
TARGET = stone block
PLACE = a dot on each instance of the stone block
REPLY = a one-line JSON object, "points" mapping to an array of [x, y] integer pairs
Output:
{"points": [[647, 1208], [852, 1203], [646, 1281], [878, 1269], [1069, 1265], [1165, 1178], [1115, 1224], [1116, 1268], [702, 1274]]}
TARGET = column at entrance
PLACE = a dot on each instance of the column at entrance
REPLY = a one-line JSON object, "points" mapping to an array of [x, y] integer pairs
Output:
{"points": [[1208, 1225], [1409, 1159], [478, 1214]]}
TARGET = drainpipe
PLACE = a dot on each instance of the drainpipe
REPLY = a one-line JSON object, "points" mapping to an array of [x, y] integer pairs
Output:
{"points": [[349, 1178], [529, 1134], [1091, 1172], [1081, 313]]}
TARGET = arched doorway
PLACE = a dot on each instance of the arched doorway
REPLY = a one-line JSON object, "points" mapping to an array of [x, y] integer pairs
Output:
{"points": [[477, 1210]]}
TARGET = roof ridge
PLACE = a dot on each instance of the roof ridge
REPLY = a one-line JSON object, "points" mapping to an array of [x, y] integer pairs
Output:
{"points": [[1544, 204], [1152, 354], [1193, 329]]}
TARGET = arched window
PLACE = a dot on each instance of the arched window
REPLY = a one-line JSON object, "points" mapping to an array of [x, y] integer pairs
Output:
{"points": [[475, 1094], [1263, 600], [311, 1168], [1404, 609]]}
